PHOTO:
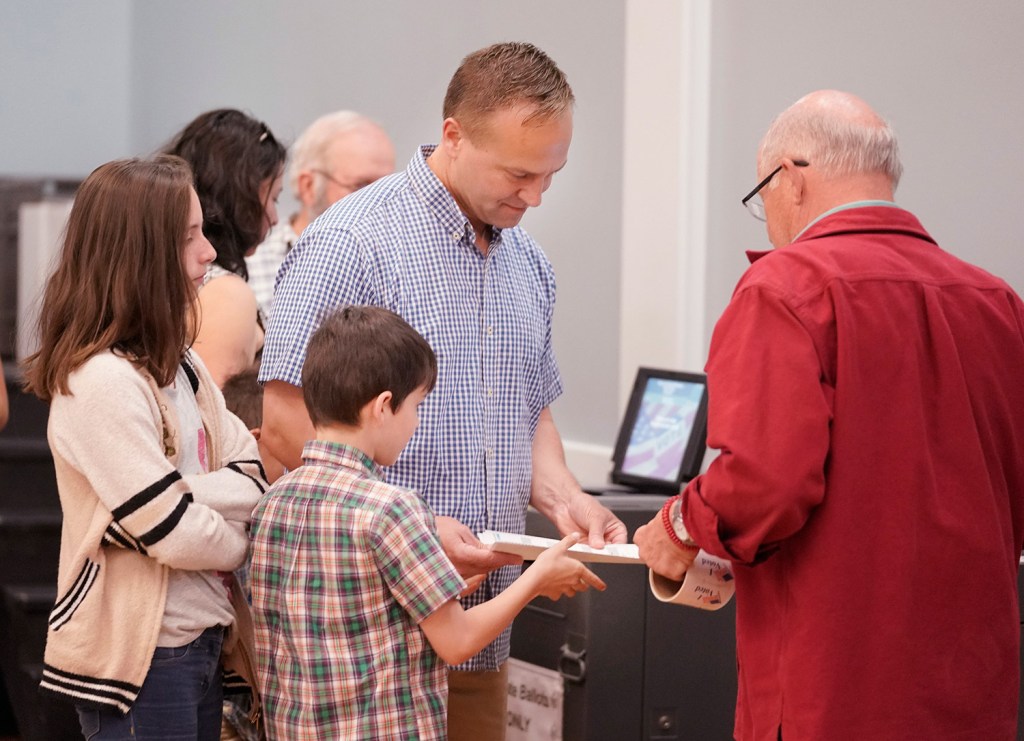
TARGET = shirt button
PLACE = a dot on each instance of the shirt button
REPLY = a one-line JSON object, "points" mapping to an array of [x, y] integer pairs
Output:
{"points": [[490, 392], [490, 330]]}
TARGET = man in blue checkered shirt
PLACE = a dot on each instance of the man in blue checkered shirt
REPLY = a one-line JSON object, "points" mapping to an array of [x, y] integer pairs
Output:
{"points": [[439, 245]]}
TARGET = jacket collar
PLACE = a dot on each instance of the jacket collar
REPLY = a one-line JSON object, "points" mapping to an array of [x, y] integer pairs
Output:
{"points": [[856, 220]]}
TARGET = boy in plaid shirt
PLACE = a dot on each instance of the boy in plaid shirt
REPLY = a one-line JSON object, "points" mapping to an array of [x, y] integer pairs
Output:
{"points": [[356, 603]]}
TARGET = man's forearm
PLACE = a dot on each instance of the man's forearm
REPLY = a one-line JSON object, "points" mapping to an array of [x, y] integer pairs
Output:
{"points": [[286, 426], [553, 483], [558, 496]]}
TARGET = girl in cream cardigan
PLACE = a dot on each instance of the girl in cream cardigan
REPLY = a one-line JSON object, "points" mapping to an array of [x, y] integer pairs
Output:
{"points": [[156, 479]]}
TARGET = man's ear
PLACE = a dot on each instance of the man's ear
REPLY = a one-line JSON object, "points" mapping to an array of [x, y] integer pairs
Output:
{"points": [[452, 136], [796, 181], [304, 185]]}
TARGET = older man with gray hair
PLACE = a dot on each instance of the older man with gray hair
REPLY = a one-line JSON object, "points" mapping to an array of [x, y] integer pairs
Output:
{"points": [[866, 397], [337, 154]]}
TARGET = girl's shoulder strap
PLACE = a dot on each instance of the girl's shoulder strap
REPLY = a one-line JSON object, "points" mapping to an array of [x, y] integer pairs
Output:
{"points": [[188, 365]]}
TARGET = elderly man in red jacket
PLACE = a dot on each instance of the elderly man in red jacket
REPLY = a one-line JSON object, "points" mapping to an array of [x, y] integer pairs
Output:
{"points": [[867, 397]]}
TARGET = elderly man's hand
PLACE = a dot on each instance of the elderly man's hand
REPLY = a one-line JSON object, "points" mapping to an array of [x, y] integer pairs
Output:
{"points": [[660, 553]]}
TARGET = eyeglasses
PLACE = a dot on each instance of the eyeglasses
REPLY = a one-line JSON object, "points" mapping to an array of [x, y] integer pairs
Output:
{"points": [[350, 187], [756, 208]]}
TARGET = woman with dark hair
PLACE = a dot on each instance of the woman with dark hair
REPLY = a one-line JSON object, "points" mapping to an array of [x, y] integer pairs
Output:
{"points": [[156, 478], [239, 167]]}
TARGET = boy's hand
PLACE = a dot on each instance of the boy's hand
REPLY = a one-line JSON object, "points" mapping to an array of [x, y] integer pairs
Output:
{"points": [[559, 574], [469, 556]]}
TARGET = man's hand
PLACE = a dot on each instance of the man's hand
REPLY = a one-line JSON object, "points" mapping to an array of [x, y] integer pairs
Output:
{"points": [[469, 556], [582, 513], [660, 554], [558, 496]]}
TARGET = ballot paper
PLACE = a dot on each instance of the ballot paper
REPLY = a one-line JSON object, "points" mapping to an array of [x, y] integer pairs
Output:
{"points": [[709, 583], [531, 546]]}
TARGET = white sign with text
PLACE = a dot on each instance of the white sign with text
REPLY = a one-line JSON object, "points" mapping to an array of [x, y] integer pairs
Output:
{"points": [[535, 697]]}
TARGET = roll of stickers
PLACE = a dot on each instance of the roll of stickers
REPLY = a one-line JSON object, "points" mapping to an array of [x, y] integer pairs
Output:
{"points": [[707, 585]]}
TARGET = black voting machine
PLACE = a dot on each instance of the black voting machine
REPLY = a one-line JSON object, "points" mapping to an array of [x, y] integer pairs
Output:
{"points": [[633, 667]]}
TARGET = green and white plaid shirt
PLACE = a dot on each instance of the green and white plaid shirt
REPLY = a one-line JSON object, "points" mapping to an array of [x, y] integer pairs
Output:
{"points": [[344, 568]]}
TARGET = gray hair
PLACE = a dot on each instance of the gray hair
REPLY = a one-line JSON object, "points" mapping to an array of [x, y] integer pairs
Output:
{"points": [[310, 150], [836, 137]]}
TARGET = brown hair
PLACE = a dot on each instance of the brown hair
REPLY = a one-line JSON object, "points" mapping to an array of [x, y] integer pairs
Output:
{"points": [[231, 154], [120, 282], [358, 353], [504, 76], [243, 396]]}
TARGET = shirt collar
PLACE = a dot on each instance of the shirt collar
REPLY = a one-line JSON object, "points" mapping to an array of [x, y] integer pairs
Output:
{"points": [[871, 216], [340, 455], [439, 200], [844, 207]]}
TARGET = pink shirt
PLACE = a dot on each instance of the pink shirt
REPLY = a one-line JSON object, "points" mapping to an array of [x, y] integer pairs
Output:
{"points": [[867, 396]]}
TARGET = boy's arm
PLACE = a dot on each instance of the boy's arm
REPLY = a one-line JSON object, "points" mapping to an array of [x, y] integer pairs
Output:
{"points": [[458, 634]]}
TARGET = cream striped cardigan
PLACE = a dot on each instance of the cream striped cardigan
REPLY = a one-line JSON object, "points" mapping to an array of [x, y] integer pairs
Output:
{"points": [[129, 517]]}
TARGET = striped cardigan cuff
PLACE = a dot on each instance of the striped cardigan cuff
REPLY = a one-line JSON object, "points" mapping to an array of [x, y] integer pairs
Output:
{"points": [[95, 692], [234, 683], [252, 469]]}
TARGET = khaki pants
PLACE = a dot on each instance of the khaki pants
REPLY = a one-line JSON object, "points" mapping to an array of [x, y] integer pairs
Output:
{"points": [[478, 705]]}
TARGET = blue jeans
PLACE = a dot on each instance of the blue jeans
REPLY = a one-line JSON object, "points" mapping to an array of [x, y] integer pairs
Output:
{"points": [[181, 698]]}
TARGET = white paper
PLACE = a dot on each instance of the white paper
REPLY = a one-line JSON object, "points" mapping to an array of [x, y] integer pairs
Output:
{"points": [[531, 546]]}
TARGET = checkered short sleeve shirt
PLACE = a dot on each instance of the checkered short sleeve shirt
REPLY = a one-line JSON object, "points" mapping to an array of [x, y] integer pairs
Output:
{"points": [[344, 568], [402, 243], [264, 263]]}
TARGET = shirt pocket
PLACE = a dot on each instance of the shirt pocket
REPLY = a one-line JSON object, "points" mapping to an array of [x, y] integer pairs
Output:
{"points": [[69, 602]]}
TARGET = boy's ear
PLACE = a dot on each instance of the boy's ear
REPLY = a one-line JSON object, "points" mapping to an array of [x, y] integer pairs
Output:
{"points": [[255, 432], [381, 404]]}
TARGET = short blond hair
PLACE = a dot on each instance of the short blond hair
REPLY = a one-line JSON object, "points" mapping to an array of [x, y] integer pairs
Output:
{"points": [[503, 76]]}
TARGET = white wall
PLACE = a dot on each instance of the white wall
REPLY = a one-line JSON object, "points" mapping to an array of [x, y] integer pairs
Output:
{"points": [[136, 72], [288, 63], [948, 75], [64, 94]]}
